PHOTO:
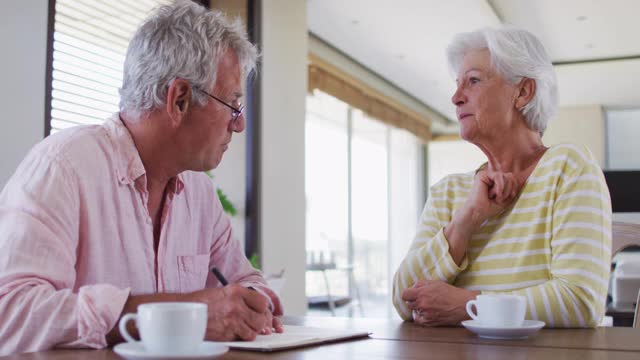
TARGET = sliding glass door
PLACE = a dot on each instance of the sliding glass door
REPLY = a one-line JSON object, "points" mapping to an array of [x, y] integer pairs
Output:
{"points": [[364, 193]]}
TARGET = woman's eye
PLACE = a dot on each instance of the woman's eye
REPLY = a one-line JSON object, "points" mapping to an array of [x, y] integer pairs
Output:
{"points": [[474, 80]]}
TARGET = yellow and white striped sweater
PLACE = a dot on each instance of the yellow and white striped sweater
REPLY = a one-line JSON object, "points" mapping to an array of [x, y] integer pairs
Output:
{"points": [[553, 245]]}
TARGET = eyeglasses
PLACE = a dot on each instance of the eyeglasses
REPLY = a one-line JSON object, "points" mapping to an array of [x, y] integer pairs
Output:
{"points": [[235, 112]]}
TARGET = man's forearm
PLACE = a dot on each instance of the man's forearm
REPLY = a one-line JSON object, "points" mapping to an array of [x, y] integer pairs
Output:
{"points": [[131, 306]]}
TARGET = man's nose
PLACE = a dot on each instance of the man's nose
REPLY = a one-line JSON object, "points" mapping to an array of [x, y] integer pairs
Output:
{"points": [[238, 124]]}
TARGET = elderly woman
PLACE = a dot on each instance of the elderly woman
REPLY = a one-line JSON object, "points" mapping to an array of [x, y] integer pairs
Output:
{"points": [[533, 220]]}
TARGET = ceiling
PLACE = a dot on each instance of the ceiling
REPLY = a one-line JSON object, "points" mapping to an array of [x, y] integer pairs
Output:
{"points": [[594, 43]]}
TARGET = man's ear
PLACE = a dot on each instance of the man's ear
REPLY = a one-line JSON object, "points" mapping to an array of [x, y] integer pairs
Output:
{"points": [[527, 89], [178, 100]]}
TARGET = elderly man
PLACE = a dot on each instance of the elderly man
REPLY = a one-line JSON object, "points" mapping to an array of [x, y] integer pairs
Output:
{"points": [[99, 219]]}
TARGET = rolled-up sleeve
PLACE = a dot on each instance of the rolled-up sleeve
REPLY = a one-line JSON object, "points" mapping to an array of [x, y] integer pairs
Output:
{"points": [[39, 226]]}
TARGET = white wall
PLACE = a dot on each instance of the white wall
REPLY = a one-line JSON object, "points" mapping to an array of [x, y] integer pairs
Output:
{"points": [[623, 147], [230, 177], [23, 37], [452, 157], [579, 125], [284, 89]]}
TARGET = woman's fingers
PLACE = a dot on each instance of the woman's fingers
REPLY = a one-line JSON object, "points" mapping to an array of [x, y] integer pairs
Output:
{"points": [[514, 187], [498, 185], [505, 187], [506, 192]]}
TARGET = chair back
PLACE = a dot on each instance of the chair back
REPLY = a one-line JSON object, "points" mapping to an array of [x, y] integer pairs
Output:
{"points": [[636, 321], [624, 235]]}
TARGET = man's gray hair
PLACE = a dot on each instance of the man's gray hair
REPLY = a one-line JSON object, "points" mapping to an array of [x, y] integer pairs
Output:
{"points": [[515, 53], [182, 40]]}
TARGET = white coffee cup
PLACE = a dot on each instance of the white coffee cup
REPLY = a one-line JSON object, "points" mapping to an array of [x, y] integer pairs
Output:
{"points": [[168, 328], [498, 310]]}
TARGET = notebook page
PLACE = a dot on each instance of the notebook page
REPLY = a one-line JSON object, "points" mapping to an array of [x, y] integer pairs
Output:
{"points": [[295, 336]]}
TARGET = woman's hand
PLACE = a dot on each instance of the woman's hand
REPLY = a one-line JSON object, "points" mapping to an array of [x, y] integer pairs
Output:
{"points": [[436, 303], [491, 194]]}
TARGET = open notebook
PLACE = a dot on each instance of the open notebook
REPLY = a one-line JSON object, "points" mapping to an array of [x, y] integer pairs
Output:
{"points": [[295, 336]]}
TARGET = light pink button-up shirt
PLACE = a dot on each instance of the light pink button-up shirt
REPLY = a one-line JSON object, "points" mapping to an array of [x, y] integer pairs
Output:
{"points": [[76, 239]]}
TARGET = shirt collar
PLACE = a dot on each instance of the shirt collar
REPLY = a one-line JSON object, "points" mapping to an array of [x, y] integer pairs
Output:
{"points": [[129, 166]]}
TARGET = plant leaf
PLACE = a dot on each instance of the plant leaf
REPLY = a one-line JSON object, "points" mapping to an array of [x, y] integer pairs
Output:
{"points": [[255, 261], [226, 204]]}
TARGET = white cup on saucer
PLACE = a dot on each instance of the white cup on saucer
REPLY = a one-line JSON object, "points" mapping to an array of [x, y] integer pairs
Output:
{"points": [[168, 328], [498, 310]]}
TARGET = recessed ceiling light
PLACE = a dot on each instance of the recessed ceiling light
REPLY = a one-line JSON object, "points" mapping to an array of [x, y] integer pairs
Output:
{"points": [[355, 22], [581, 18], [400, 57], [589, 46]]}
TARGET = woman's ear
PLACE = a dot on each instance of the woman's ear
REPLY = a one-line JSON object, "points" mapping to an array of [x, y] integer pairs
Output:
{"points": [[178, 100], [526, 91]]}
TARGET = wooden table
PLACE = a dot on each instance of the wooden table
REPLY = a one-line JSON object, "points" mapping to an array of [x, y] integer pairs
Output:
{"points": [[398, 340], [613, 338]]}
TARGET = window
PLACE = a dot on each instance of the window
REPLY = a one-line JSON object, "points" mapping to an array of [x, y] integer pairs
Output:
{"points": [[364, 195], [622, 146], [452, 157], [89, 44]]}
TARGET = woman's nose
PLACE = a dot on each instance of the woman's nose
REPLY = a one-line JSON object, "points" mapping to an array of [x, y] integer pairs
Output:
{"points": [[458, 97]]}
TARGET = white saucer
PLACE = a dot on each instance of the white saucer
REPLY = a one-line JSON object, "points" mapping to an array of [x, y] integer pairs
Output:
{"points": [[492, 332], [136, 351]]}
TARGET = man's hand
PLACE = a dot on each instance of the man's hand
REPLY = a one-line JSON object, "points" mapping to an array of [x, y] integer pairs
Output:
{"points": [[235, 312], [436, 303], [274, 325]]}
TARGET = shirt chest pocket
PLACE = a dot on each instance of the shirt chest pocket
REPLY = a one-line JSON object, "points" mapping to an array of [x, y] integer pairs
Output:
{"points": [[192, 272]]}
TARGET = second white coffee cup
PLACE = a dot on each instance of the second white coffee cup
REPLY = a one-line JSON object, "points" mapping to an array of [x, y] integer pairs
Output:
{"points": [[170, 328], [498, 310]]}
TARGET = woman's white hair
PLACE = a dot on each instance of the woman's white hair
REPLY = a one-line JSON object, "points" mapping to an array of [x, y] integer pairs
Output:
{"points": [[515, 53], [182, 40]]}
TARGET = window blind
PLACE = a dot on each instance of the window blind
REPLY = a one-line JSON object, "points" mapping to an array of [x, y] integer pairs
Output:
{"points": [[328, 78], [89, 45]]}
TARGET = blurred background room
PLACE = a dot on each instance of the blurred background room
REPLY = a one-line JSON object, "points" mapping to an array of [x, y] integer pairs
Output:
{"points": [[349, 118]]}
